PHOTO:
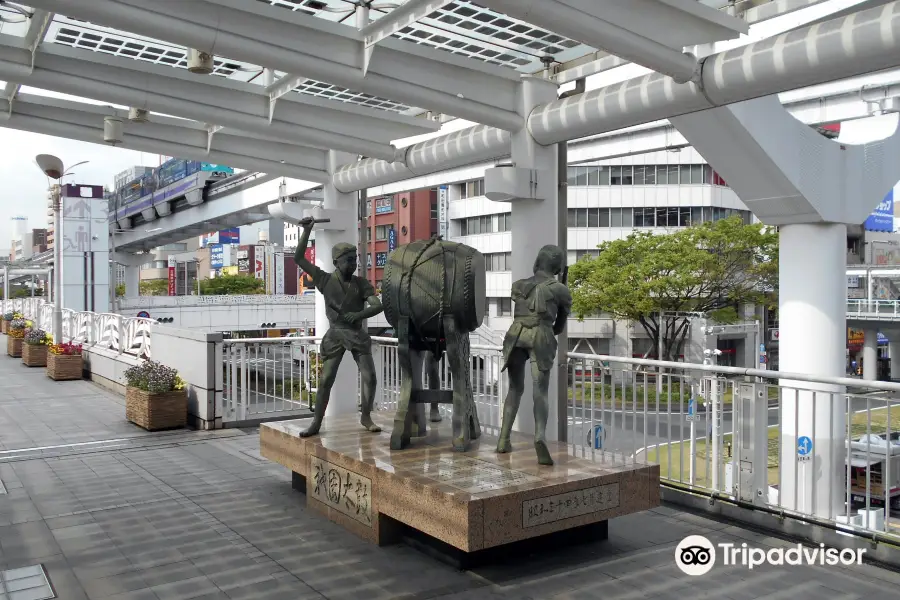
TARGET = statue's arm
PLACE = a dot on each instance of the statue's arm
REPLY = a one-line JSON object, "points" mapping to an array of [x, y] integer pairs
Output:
{"points": [[374, 307], [300, 255]]}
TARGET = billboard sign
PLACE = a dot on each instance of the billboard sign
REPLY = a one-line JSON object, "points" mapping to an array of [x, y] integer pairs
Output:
{"points": [[380, 259], [392, 239], [279, 273], [384, 205], [259, 262], [216, 256], [882, 218], [230, 236], [172, 264], [443, 210]]}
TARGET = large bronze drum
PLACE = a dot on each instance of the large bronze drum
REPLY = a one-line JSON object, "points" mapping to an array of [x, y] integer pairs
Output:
{"points": [[431, 279]]}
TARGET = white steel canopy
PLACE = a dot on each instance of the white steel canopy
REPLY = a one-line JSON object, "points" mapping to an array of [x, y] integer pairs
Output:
{"points": [[361, 89]]}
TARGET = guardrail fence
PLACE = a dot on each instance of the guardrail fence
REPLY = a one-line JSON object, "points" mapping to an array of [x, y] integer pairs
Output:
{"points": [[125, 335]]}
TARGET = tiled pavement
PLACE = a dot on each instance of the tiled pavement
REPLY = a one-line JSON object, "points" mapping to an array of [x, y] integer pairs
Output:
{"points": [[175, 516]]}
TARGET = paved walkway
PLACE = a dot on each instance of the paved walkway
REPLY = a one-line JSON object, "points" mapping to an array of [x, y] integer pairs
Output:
{"points": [[114, 512]]}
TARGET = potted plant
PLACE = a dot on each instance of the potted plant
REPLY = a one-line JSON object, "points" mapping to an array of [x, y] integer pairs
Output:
{"points": [[4, 322], [34, 352], [64, 362], [155, 397], [15, 335]]}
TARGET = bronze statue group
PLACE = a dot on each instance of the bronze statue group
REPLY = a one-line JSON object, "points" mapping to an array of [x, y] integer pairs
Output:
{"points": [[542, 305]]}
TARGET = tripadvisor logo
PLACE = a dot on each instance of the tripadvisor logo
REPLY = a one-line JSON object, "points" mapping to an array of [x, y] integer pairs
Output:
{"points": [[696, 555]]}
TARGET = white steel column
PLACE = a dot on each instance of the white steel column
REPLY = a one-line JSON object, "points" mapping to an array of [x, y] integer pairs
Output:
{"points": [[132, 281], [812, 320], [894, 349], [534, 224], [870, 354], [341, 209]]}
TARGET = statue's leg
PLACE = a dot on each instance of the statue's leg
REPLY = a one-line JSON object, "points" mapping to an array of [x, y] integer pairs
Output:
{"points": [[434, 383], [416, 416], [464, 411], [516, 369], [403, 417], [329, 374], [369, 382], [541, 412]]}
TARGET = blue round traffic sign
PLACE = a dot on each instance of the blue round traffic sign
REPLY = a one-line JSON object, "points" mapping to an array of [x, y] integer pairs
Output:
{"points": [[143, 315], [596, 436], [804, 446]]}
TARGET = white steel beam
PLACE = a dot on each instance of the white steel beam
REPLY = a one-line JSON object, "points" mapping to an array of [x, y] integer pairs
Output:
{"points": [[815, 106], [317, 49], [173, 137], [314, 122], [650, 33], [404, 16], [37, 29], [860, 43], [279, 88]]}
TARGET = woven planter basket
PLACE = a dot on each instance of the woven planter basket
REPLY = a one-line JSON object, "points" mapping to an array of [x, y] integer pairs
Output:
{"points": [[4, 325], [34, 355], [156, 411], [65, 367], [14, 347]]}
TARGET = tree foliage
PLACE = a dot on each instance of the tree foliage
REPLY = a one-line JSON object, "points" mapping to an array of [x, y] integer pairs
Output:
{"points": [[228, 285], [709, 268], [154, 287]]}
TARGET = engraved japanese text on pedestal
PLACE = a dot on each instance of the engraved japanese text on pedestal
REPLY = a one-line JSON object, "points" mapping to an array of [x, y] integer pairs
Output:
{"points": [[340, 489], [570, 504]]}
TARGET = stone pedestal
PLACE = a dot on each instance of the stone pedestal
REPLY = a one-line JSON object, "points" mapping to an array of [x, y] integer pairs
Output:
{"points": [[470, 501]]}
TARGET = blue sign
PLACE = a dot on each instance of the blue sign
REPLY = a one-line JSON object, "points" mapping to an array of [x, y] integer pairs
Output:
{"points": [[762, 348], [392, 239], [230, 236], [216, 256], [804, 446], [380, 259], [882, 218], [595, 437], [143, 315], [691, 407]]}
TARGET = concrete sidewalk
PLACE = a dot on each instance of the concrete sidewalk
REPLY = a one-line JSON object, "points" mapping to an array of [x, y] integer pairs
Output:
{"points": [[114, 512]]}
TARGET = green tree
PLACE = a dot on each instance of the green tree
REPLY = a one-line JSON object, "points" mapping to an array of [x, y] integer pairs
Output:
{"points": [[120, 290], [709, 268], [229, 285], [154, 287]]}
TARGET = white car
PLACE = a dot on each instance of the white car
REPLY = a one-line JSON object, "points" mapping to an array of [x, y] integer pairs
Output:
{"points": [[298, 349]]}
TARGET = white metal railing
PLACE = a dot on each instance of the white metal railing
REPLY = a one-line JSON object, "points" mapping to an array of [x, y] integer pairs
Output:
{"points": [[125, 335], [704, 425], [873, 309]]}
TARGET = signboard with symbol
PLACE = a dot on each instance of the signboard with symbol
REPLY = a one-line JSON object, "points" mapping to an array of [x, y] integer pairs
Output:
{"points": [[392, 239], [804, 449], [596, 436], [692, 411]]}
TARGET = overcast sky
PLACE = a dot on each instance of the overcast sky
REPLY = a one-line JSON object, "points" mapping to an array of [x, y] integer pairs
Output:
{"points": [[23, 188]]}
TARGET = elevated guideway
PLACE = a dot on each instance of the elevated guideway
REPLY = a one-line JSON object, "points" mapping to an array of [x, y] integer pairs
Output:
{"points": [[238, 200]]}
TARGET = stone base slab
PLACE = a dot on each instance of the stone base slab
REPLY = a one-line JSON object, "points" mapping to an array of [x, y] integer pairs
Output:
{"points": [[469, 500]]}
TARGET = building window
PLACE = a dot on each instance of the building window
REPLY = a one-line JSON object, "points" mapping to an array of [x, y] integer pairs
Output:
{"points": [[644, 217], [471, 189], [381, 231], [434, 209], [498, 261], [579, 254], [485, 224], [504, 307]]}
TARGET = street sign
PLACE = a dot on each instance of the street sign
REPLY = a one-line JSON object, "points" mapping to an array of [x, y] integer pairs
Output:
{"points": [[804, 449], [691, 413], [392, 239], [596, 436]]}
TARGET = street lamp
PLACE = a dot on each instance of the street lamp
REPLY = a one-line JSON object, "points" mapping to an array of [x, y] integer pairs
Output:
{"points": [[54, 169]]}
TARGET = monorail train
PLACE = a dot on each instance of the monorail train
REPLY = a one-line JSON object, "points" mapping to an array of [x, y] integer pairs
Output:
{"points": [[155, 193]]}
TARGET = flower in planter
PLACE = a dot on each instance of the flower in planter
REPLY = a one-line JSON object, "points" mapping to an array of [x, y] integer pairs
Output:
{"points": [[67, 349], [9, 316], [18, 323], [154, 377], [38, 337]]}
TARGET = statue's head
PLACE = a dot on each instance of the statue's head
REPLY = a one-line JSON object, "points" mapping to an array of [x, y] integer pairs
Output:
{"points": [[551, 259], [343, 256]]}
